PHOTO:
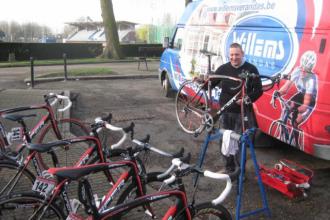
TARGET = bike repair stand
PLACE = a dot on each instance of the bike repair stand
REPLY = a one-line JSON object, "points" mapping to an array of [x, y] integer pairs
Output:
{"points": [[245, 140], [210, 137]]}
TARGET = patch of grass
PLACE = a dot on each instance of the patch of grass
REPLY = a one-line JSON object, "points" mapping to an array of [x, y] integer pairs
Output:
{"points": [[92, 71]]}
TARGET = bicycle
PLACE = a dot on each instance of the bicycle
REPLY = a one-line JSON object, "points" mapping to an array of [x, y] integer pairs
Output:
{"points": [[100, 210], [193, 102], [48, 123], [285, 128], [22, 174], [141, 178]]}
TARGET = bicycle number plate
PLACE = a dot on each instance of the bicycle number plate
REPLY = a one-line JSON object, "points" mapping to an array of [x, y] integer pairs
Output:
{"points": [[43, 185], [16, 134]]}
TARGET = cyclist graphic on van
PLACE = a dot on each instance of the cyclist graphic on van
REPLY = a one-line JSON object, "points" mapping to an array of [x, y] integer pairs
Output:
{"points": [[299, 107]]}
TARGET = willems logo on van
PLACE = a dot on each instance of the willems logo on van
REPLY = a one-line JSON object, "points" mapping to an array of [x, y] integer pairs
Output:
{"points": [[266, 42]]}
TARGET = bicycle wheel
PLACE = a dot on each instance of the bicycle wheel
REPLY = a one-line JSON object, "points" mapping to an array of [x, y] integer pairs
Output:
{"points": [[190, 107], [69, 128], [8, 170], [28, 206], [209, 211], [2, 145]]}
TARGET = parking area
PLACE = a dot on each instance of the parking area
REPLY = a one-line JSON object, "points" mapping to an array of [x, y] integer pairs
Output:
{"points": [[141, 101]]}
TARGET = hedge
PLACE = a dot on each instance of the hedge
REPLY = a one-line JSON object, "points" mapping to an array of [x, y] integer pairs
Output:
{"points": [[42, 51]]}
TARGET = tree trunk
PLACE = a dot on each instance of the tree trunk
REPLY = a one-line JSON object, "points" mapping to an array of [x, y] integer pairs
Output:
{"points": [[187, 2], [112, 49]]}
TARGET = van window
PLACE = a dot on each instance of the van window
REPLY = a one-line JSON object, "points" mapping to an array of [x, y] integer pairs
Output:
{"points": [[178, 39], [206, 43]]}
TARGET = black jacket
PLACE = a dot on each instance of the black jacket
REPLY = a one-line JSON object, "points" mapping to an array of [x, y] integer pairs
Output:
{"points": [[254, 87]]}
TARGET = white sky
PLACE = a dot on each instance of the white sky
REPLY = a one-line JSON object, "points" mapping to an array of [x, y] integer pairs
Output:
{"points": [[54, 13]]}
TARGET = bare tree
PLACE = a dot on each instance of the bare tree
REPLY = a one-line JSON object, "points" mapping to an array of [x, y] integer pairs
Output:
{"points": [[15, 32], [4, 30], [112, 49], [187, 2]]}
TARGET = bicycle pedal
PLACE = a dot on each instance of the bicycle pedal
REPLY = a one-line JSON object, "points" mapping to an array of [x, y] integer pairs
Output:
{"points": [[147, 212], [75, 204]]}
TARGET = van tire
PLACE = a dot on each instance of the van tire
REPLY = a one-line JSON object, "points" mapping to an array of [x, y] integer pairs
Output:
{"points": [[167, 89]]}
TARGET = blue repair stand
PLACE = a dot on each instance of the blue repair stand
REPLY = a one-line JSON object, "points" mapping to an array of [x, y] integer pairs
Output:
{"points": [[245, 140]]}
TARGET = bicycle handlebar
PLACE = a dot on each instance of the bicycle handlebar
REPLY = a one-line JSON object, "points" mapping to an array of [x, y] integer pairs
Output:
{"points": [[144, 145], [175, 162], [226, 191], [57, 97], [101, 123], [124, 131], [180, 165]]}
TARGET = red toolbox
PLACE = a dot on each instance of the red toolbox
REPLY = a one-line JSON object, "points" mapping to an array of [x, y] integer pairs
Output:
{"points": [[288, 177]]}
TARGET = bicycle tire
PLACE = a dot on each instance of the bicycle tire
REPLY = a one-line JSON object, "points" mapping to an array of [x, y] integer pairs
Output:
{"points": [[7, 171], [209, 211], [190, 108], [69, 128], [22, 206], [2, 145]]}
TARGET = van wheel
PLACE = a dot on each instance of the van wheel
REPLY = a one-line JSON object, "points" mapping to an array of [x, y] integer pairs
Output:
{"points": [[263, 140], [167, 89]]}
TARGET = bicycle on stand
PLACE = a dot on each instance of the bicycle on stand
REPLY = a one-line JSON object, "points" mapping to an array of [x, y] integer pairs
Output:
{"points": [[193, 101]]}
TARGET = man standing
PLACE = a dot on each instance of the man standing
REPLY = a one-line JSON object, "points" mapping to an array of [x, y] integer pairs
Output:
{"points": [[231, 119]]}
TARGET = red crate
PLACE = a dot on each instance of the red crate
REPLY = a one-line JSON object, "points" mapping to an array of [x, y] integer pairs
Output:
{"points": [[289, 178]]}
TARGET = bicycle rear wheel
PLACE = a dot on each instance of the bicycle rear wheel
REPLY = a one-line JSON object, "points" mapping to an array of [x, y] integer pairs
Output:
{"points": [[69, 128], [209, 211], [24, 206], [190, 107]]}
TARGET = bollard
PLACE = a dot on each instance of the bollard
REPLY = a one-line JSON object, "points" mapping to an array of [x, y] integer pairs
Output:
{"points": [[65, 68], [32, 71]]}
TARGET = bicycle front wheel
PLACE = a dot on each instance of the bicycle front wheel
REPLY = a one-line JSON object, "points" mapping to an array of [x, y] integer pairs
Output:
{"points": [[8, 171], [209, 211], [28, 206], [190, 107]]}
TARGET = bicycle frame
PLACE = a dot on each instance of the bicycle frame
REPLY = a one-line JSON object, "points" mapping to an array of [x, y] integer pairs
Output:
{"points": [[39, 166], [173, 211], [50, 116], [113, 191], [181, 208]]}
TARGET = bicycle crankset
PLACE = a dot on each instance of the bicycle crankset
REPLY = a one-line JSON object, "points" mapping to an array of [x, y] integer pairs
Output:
{"points": [[208, 122]]}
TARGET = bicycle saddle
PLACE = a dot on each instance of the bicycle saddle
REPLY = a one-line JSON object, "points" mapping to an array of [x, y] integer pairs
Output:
{"points": [[74, 173], [42, 148], [14, 117]]}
